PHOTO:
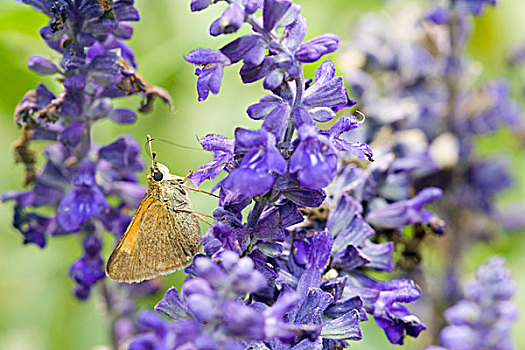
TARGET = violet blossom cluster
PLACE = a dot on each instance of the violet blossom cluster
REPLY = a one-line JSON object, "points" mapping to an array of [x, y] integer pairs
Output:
{"points": [[83, 188], [483, 318], [292, 270], [425, 109], [423, 104]]}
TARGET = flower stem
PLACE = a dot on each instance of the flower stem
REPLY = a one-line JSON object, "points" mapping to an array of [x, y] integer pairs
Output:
{"points": [[256, 212], [299, 85], [108, 302]]}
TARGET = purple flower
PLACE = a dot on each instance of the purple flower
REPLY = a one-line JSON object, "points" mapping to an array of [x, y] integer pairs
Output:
{"points": [[84, 201], [88, 269], [344, 124], [250, 48], [210, 299], [199, 5], [34, 227], [123, 154], [222, 149], [315, 158], [327, 89], [314, 49], [403, 213], [42, 65], [261, 159], [33, 101], [230, 21], [382, 300], [210, 76], [279, 13]]}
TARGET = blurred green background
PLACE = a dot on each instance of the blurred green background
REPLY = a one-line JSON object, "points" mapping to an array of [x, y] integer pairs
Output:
{"points": [[37, 309]]}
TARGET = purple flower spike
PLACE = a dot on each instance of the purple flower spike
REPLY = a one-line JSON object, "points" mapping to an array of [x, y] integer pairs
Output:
{"points": [[263, 282], [315, 158], [314, 49], [408, 212], [84, 201], [483, 320], [95, 66]]}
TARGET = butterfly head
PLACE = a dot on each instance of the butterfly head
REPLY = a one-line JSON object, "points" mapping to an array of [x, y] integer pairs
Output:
{"points": [[160, 173]]}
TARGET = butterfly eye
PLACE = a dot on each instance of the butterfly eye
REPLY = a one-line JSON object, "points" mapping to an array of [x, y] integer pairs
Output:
{"points": [[157, 176]]}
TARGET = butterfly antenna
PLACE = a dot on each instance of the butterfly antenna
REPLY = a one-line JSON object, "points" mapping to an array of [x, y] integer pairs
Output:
{"points": [[201, 191], [153, 154], [177, 144]]}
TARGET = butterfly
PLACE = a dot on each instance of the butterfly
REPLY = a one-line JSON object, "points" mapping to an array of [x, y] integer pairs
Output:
{"points": [[163, 235]]}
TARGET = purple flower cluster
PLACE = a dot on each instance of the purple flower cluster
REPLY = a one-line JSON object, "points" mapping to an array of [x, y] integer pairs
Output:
{"points": [[484, 318], [417, 87], [292, 270], [84, 187], [436, 118], [275, 51], [209, 312]]}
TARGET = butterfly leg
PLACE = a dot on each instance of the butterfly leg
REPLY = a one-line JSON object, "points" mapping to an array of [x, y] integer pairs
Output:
{"points": [[198, 215]]}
